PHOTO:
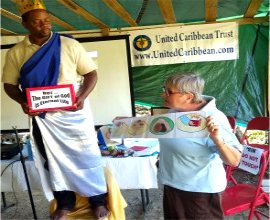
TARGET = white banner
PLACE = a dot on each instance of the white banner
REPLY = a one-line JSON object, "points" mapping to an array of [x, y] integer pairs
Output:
{"points": [[184, 44]]}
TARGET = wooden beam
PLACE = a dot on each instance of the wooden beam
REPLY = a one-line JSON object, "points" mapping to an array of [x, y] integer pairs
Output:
{"points": [[210, 10], [256, 20], [65, 25], [10, 15], [167, 11], [121, 11], [252, 8], [83, 13], [105, 32], [7, 32], [240, 21]]}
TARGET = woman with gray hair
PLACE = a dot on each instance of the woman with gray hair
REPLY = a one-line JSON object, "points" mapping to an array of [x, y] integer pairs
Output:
{"points": [[191, 168]]}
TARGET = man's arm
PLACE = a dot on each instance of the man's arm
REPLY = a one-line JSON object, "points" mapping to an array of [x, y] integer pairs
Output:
{"points": [[89, 83], [14, 92]]}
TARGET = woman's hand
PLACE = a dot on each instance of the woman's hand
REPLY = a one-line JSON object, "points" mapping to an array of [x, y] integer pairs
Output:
{"points": [[229, 154], [213, 129]]}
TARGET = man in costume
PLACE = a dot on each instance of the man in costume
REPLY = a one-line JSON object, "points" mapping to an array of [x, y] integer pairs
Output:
{"points": [[64, 142]]}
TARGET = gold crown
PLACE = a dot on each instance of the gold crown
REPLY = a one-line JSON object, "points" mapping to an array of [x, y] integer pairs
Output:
{"points": [[24, 6]]}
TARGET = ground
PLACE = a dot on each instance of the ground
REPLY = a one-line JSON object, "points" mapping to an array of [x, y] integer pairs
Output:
{"points": [[22, 210]]}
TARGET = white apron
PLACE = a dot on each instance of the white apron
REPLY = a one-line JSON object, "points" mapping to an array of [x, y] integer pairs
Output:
{"points": [[74, 157]]}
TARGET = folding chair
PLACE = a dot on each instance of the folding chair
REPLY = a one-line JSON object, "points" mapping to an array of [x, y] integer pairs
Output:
{"points": [[255, 124], [245, 196], [232, 122], [229, 169]]}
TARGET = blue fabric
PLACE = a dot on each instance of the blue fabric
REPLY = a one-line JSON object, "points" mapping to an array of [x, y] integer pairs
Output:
{"points": [[42, 69], [100, 138]]}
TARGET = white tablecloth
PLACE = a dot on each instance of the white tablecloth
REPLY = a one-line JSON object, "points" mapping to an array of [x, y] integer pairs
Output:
{"points": [[130, 172], [134, 172]]}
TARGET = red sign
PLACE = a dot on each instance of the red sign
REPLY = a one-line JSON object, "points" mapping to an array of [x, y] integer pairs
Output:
{"points": [[51, 98]]}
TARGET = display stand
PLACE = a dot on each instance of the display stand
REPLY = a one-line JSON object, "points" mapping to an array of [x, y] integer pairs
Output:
{"points": [[5, 206], [145, 198]]}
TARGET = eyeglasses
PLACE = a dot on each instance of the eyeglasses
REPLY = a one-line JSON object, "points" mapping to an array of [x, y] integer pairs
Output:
{"points": [[169, 92]]}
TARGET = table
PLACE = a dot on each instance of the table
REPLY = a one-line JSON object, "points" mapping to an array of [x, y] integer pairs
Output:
{"points": [[134, 172], [130, 173]]}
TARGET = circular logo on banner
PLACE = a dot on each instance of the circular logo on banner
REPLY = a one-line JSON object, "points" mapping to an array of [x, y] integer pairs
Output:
{"points": [[142, 43]]}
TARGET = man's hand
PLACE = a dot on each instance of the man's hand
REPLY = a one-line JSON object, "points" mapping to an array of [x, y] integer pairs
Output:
{"points": [[26, 109], [89, 82], [79, 103]]}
